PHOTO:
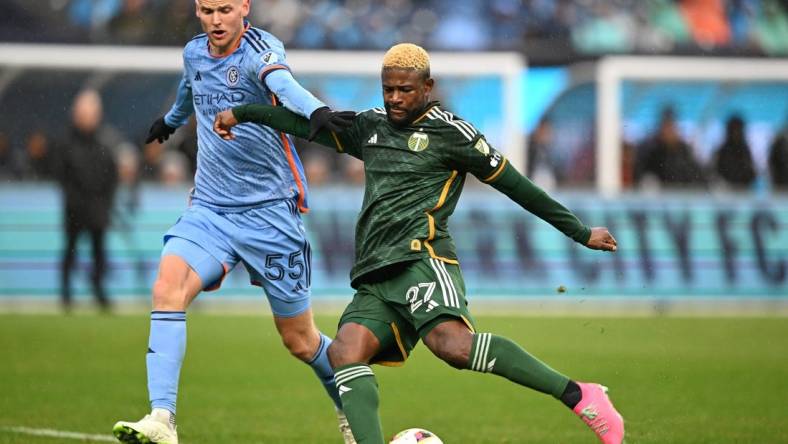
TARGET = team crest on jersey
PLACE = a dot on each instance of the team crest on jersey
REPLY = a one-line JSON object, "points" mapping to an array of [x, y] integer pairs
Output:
{"points": [[233, 76], [482, 147], [418, 142], [269, 58]]}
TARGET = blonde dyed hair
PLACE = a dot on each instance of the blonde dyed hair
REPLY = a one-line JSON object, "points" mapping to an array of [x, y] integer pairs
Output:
{"points": [[407, 56]]}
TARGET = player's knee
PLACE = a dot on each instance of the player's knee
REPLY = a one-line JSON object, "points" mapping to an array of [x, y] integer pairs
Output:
{"points": [[453, 356], [297, 343], [339, 354], [450, 343], [168, 296]]}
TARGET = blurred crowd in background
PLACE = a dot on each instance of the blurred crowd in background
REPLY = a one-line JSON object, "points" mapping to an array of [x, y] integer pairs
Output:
{"points": [[546, 30], [663, 159]]}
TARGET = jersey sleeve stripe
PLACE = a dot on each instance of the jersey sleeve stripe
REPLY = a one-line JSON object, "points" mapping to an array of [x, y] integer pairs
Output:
{"points": [[436, 114], [466, 125], [256, 33], [440, 115], [269, 69], [452, 118], [293, 169], [258, 38], [497, 172], [255, 45], [199, 36]]}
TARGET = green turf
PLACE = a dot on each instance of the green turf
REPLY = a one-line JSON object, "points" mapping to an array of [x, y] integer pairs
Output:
{"points": [[675, 380]]}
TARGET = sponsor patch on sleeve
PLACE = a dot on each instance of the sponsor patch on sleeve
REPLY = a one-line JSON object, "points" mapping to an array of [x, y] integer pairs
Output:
{"points": [[269, 58]]}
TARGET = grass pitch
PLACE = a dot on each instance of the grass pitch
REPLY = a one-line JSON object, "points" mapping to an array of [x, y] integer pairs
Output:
{"points": [[675, 381]]}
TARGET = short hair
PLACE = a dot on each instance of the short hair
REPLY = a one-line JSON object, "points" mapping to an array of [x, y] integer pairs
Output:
{"points": [[407, 56]]}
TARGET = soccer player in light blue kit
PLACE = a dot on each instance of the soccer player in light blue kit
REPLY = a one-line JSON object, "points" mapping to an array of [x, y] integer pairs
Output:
{"points": [[245, 207]]}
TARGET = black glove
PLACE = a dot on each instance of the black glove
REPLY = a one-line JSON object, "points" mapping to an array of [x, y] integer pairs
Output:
{"points": [[324, 118], [159, 131]]}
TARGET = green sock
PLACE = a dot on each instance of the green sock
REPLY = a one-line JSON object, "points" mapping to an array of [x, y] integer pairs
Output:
{"points": [[358, 390], [501, 356]]}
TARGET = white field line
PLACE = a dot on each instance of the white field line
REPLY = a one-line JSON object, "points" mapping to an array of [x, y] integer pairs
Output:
{"points": [[59, 434]]}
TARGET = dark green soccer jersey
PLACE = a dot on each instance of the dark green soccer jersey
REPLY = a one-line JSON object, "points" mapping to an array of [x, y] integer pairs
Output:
{"points": [[414, 177]]}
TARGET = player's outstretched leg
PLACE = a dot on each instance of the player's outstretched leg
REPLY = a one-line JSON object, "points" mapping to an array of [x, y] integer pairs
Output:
{"points": [[501, 356], [488, 353], [173, 290], [166, 349]]}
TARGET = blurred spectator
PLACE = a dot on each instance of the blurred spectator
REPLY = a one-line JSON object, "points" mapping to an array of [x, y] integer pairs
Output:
{"points": [[179, 154], [581, 168], [37, 162], [174, 22], [666, 160], [608, 30], [550, 29], [316, 168], [93, 15], [771, 28], [708, 22], [628, 159], [666, 18], [354, 171], [778, 161], [733, 161], [541, 150], [174, 169], [127, 208], [8, 161], [130, 26], [88, 176]]}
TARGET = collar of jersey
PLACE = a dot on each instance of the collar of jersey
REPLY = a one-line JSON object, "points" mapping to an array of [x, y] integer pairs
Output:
{"points": [[427, 109], [247, 25]]}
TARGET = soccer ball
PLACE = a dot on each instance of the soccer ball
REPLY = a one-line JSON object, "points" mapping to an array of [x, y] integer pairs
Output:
{"points": [[415, 436]]}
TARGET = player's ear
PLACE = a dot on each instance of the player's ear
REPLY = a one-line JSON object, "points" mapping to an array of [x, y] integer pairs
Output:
{"points": [[245, 6], [197, 8], [428, 84]]}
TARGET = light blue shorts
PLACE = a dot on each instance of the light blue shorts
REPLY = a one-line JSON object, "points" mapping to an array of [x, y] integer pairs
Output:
{"points": [[270, 241]]}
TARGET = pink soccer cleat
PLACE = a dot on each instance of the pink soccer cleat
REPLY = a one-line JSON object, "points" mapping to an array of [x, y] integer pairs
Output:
{"points": [[596, 410]]}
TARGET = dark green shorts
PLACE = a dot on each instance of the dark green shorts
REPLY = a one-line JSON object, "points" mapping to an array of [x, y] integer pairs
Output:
{"points": [[404, 308]]}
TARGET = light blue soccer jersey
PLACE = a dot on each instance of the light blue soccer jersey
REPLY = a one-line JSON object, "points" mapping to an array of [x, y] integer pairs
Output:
{"points": [[260, 165]]}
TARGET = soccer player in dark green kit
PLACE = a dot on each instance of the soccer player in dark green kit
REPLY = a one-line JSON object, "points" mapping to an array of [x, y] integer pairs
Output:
{"points": [[406, 274]]}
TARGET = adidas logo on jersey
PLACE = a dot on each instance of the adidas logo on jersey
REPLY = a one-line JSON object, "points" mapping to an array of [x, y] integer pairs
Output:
{"points": [[373, 139], [344, 389], [198, 77]]}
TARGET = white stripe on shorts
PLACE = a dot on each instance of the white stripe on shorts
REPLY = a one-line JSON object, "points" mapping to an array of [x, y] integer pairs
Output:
{"points": [[439, 275]]}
